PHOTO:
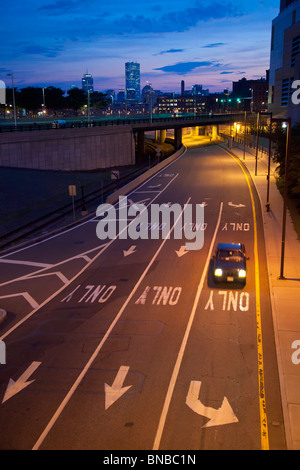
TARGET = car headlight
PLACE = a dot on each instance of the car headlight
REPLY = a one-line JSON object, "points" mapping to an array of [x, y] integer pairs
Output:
{"points": [[242, 273], [218, 272]]}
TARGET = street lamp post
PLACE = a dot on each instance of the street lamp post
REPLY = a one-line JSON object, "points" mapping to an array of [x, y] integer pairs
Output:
{"points": [[285, 193], [44, 102], [251, 103], [269, 158], [14, 99], [88, 91], [257, 137], [269, 164], [245, 135], [287, 154]]}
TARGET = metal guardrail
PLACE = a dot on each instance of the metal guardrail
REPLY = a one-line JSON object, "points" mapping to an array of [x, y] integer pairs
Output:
{"points": [[119, 122]]}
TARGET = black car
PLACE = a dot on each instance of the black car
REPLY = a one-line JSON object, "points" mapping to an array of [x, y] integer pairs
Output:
{"points": [[230, 263]]}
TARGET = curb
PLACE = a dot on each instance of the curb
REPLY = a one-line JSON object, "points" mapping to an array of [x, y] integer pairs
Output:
{"points": [[112, 198]]}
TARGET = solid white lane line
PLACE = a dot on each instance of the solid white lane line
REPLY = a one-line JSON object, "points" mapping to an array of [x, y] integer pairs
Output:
{"points": [[99, 347], [27, 263], [177, 366]]}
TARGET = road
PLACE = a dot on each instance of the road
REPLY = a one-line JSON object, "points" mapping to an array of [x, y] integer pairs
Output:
{"points": [[129, 344]]}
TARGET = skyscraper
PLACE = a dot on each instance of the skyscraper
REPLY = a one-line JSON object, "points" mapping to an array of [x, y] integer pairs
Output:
{"points": [[132, 79], [87, 82]]}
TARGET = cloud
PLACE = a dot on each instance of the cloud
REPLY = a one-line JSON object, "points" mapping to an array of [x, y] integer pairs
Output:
{"points": [[182, 68], [176, 21], [52, 51], [214, 44], [61, 7], [79, 20], [170, 51]]}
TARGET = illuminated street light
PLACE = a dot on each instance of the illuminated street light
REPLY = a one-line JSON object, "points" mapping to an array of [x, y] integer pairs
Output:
{"points": [[285, 194], [14, 100], [257, 137]]}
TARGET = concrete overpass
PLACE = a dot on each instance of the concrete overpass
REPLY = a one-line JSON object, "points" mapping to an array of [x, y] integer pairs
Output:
{"points": [[98, 144], [178, 124]]}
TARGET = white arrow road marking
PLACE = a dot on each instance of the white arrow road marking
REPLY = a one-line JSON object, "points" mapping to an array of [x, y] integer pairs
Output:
{"points": [[236, 205], [114, 392], [15, 387], [26, 296], [217, 417], [155, 186], [182, 251], [133, 203], [130, 251]]}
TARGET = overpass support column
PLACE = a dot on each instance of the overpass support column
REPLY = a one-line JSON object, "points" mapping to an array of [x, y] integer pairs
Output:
{"points": [[178, 138], [215, 132], [195, 131], [140, 145], [163, 135]]}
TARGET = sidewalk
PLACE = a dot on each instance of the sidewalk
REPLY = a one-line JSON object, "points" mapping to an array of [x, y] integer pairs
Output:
{"points": [[285, 294]]}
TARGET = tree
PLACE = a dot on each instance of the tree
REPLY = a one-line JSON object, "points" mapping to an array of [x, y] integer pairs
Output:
{"points": [[30, 98], [76, 98], [54, 98], [294, 159], [99, 100]]}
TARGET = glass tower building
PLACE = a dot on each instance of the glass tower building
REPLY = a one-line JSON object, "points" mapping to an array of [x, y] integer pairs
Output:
{"points": [[133, 79], [87, 82]]}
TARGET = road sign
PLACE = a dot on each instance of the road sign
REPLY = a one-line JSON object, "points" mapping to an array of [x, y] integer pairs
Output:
{"points": [[72, 193], [115, 175], [72, 190]]}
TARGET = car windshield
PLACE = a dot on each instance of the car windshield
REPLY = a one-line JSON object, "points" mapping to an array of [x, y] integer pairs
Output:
{"points": [[233, 255]]}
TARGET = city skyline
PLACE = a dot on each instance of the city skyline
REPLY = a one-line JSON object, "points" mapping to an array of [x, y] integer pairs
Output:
{"points": [[211, 43]]}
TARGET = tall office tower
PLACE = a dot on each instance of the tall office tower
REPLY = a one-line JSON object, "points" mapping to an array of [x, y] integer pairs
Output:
{"points": [[285, 61], [87, 82], [182, 87], [133, 81]]}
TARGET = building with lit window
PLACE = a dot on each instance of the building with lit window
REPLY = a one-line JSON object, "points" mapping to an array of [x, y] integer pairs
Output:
{"points": [[285, 61], [87, 82], [252, 94], [133, 81], [177, 105]]}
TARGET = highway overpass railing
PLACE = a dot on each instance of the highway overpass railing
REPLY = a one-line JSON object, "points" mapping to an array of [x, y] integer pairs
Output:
{"points": [[178, 121]]}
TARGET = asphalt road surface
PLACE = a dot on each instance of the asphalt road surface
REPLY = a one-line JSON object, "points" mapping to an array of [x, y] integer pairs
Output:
{"points": [[129, 344]]}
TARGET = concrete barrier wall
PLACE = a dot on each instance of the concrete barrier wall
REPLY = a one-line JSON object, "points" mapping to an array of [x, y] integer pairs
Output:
{"points": [[68, 149]]}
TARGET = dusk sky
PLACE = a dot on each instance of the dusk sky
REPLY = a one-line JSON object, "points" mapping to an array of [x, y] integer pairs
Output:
{"points": [[51, 42]]}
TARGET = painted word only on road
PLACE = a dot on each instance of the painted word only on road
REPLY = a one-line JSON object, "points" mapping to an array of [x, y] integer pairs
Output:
{"points": [[160, 295], [101, 293], [230, 300], [159, 214]]}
